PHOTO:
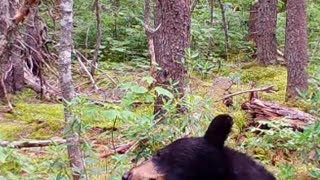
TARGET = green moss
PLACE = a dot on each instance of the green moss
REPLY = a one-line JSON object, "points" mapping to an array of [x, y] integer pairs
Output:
{"points": [[265, 76], [43, 121], [27, 95], [34, 112], [10, 131], [43, 133]]}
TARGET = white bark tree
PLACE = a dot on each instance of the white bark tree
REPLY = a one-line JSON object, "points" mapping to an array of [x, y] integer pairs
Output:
{"points": [[67, 89]]}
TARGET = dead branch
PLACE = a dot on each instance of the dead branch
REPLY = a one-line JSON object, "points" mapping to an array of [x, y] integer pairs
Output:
{"points": [[123, 149], [119, 150], [150, 38], [40, 58], [194, 4], [3, 77], [268, 89], [31, 143], [76, 52], [87, 72]]}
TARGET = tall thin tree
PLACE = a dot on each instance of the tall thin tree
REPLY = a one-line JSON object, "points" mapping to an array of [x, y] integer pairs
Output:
{"points": [[225, 28], [253, 20], [67, 89], [296, 49], [266, 32], [99, 37]]}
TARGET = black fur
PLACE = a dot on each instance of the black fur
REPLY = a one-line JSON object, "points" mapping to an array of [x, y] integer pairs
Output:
{"points": [[206, 158]]}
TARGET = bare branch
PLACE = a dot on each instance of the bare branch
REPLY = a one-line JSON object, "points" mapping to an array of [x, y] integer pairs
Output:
{"points": [[87, 72], [266, 89]]}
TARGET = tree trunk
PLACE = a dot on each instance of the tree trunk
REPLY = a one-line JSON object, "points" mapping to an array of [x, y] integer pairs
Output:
{"points": [[94, 64], [4, 53], [266, 34], [253, 20], [225, 28], [296, 50], [67, 89], [172, 39], [11, 66], [4, 56]]}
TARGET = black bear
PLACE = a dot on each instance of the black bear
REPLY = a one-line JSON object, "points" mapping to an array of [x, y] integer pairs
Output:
{"points": [[201, 158]]}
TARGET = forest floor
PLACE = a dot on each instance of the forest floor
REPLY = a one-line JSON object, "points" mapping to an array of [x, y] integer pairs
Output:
{"points": [[35, 119]]}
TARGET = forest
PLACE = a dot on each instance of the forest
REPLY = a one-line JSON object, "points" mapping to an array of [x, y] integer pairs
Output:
{"points": [[91, 89]]}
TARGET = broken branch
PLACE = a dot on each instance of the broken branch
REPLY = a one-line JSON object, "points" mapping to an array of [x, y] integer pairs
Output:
{"points": [[266, 89]]}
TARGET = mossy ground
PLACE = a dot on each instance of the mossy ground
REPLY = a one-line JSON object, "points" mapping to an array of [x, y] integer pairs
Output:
{"points": [[33, 119]]}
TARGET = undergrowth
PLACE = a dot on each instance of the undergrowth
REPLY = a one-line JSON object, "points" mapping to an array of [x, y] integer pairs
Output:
{"points": [[287, 153]]}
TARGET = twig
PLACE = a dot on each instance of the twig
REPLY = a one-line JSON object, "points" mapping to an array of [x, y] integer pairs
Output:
{"points": [[109, 77], [267, 89], [150, 38], [40, 57], [123, 149], [119, 150], [3, 77], [194, 4], [88, 73], [86, 43]]}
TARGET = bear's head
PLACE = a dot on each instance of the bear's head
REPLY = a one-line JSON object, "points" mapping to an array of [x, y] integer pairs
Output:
{"points": [[198, 158]]}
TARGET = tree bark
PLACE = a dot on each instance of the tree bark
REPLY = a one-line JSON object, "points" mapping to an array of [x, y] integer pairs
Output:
{"points": [[67, 89], [266, 34], [296, 49], [10, 60], [4, 56], [253, 20], [171, 40]]}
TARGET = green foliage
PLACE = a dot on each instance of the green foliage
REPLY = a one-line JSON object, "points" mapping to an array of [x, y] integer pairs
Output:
{"points": [[209, 38], [312, 97], [132, 120], [281, 136], [122, 30], [286, 172]]}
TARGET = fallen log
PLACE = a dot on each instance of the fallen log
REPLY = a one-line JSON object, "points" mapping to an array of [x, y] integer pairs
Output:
{"points": [[264, 110], [31, 143]]}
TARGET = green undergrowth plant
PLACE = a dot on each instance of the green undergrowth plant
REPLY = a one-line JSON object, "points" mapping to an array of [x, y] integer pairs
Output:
{"points": [[264, 144]]}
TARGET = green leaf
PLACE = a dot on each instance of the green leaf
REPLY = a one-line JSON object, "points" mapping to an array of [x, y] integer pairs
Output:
{"points": [[149, 79], [139, 89], [126, 115], [111, 114], [164, 92], [3, 155]]}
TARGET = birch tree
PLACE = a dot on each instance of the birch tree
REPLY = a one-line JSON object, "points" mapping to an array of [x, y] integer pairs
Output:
{"points": [[67, 89]]}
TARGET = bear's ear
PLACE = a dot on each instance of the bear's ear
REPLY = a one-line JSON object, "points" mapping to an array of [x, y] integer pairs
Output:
{"points": [[218, 130]]}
